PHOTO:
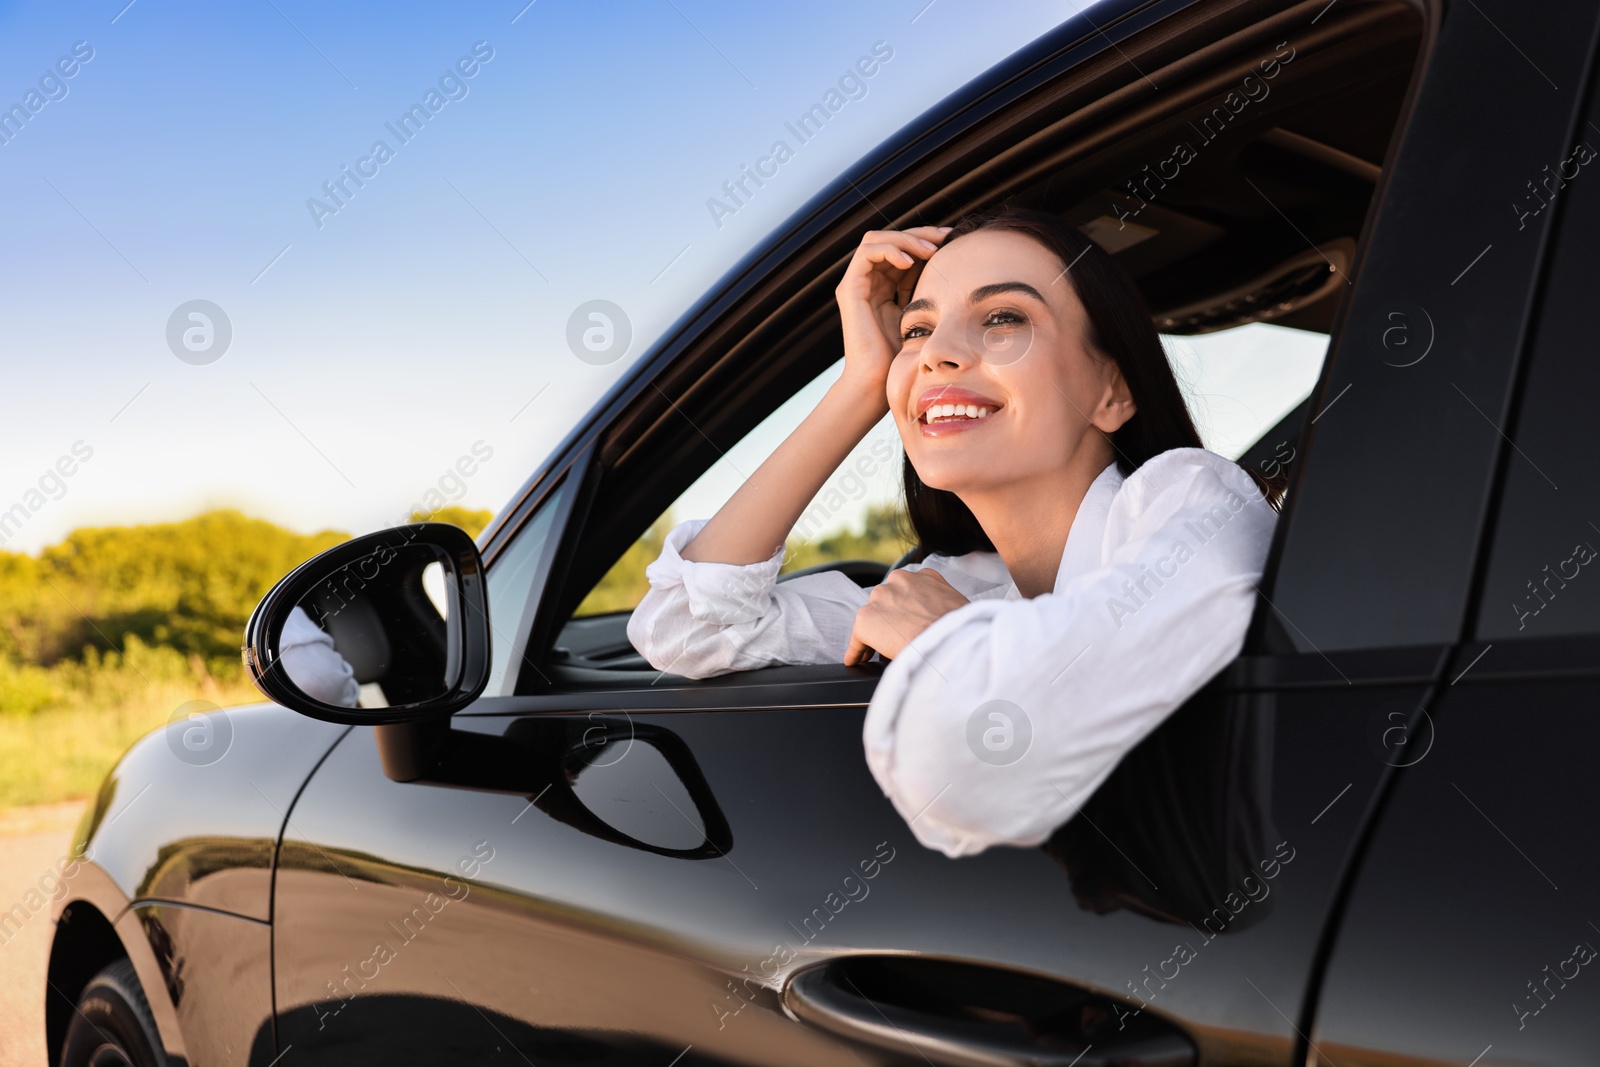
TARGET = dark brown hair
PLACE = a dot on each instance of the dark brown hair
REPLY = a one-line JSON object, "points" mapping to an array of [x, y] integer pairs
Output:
{"points": [[1119, 328]]}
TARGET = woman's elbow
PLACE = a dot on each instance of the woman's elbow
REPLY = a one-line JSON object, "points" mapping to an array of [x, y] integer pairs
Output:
{"points": [[682, 654], [962, 798]]}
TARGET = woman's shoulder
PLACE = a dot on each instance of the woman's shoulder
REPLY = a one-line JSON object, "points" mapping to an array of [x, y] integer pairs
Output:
{"points": [[1186, 487], [1204, 477]]}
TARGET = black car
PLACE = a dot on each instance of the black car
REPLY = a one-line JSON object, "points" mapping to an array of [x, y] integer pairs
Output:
{"points": [[1370, 840]]}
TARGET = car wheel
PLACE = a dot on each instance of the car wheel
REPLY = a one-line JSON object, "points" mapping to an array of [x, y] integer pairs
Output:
{"points": [[112, 1026]]}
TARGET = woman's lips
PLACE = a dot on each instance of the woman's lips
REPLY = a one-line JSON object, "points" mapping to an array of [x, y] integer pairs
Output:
{"points": [[952, 394], [946, 427], [947, 408]]}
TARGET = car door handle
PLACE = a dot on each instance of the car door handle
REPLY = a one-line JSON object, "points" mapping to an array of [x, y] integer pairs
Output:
{"points": [[967, 1015]]}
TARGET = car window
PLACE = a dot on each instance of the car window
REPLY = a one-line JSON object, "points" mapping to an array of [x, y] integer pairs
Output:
{"points": [[510, 588], [1542, 579], [1238, 383], [853, 516]]}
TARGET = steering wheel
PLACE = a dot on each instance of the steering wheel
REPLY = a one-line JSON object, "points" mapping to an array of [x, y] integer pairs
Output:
{"points": [[915, 554], [864, 572]]}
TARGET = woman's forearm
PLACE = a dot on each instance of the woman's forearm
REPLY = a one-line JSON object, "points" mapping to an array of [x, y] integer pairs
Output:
{"points": [[757, 519]]}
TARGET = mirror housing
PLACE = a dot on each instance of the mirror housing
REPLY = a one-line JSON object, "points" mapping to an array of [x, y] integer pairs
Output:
{"points": [[379, 578]]}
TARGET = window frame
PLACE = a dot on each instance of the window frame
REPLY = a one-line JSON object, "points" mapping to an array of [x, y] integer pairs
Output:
{"points": [[562, 482], [1534, 355], [714, 369], [1406, 596]]}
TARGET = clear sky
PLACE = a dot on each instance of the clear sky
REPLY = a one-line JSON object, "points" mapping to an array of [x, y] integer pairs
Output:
{"points": [[379, 335]]}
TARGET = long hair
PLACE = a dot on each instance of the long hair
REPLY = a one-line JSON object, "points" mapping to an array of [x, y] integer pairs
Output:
{"points": [[1119, 328]]}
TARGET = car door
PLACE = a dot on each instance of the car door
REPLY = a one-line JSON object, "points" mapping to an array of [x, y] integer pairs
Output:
{"points": [[735, 888], [1473, 921]]}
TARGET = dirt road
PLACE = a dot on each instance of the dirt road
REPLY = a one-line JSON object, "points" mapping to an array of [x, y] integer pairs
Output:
{"points": [[32, 842]]}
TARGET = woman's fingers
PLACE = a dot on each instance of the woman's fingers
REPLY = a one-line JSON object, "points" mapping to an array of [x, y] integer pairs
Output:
{"points": [[859, 649], [898, 610], [923, 240], [903, 251], [863, 641], [880, 278], [886, 252], [927, 238], [857, 652]]}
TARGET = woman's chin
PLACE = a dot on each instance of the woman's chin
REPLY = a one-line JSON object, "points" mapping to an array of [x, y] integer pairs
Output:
{"points": [[954, 474]]}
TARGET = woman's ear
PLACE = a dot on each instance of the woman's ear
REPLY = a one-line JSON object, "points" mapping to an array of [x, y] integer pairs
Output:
{"points": [[1116, 403]]}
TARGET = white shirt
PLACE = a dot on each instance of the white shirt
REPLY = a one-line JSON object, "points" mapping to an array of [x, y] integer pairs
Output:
{"points": [[307, 654], [996, 723]]}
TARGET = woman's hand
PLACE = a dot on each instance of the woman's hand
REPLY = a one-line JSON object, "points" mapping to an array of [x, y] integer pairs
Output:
{"points": [[897, 610], [879, 281]]}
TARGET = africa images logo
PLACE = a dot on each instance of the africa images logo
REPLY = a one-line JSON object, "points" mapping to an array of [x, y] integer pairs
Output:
{"points": [[999, 732], [199, 733], [199, 332]]}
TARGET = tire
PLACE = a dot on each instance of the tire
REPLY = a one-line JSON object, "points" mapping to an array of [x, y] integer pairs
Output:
{"points": [[112, 1026]]}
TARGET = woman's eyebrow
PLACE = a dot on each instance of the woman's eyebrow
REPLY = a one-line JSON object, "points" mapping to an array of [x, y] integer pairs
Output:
{"points": [[980, 294], [984, 292]]}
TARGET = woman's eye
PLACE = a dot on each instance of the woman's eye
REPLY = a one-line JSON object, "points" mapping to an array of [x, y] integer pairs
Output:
{"points": [[1003, 317]]}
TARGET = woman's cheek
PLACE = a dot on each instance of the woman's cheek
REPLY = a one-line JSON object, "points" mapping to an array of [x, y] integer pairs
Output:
{"points": [[897, 382]]}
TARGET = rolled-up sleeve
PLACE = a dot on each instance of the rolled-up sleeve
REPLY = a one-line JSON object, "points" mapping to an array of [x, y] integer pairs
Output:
{"points": [[701, 619], [1001, 718], [308, 655]]}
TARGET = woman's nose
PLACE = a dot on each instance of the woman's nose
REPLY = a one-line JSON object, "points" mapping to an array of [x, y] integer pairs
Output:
{"points": [[948, 346]]}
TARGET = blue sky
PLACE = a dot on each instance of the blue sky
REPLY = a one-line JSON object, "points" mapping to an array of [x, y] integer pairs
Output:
{"points": [[423, 317], [375, 345]]}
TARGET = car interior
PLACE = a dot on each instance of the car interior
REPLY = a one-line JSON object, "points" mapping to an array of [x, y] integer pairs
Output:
{"points": [[1229, 165]]}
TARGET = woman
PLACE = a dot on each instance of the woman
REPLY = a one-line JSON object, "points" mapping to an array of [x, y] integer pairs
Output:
{"points": [[1088, 564]]}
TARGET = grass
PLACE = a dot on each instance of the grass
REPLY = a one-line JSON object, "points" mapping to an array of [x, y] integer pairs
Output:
{"points": [[80, 717]]}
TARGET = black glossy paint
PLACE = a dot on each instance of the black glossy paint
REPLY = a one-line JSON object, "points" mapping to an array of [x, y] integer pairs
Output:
{"points": [[1482, 883], [1547, 531], [1401, 445], [216, 970], [199, 826], [583, 937], [190, 815], [1474, 926]]}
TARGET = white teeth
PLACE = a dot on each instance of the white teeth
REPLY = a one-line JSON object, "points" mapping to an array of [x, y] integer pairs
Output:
{"points": [[945, 411]]}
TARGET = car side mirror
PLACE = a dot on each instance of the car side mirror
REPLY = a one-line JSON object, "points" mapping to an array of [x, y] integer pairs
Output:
{"points": [[388, 628]]}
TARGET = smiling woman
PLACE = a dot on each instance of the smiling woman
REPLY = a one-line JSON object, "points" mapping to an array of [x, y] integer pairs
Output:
{"points": [[1052, 477]]}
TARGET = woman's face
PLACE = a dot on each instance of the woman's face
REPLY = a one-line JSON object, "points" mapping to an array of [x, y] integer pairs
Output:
{"points": [[994, 324]]}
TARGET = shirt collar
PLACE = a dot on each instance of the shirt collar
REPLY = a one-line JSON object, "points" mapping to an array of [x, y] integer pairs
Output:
{"points": [[1085, 539]]}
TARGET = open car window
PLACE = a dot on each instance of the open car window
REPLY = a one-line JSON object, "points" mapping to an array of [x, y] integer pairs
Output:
{"points": [[1240, 382], [855, 515], [1244, 243]]}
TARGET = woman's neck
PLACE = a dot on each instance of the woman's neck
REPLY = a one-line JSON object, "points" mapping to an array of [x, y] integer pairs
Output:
{"points": [[1029, 521]]}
